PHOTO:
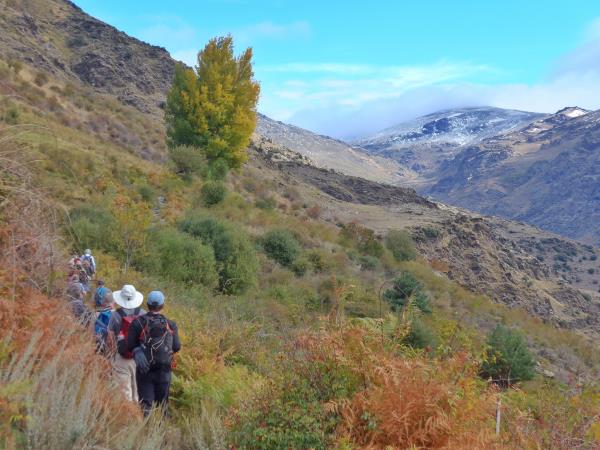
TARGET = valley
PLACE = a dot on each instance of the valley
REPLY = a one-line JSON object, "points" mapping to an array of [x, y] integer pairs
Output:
{"points": [[319, 287]]}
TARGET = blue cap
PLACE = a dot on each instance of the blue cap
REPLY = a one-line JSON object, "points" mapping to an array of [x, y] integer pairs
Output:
{"points": [[156, 298]]}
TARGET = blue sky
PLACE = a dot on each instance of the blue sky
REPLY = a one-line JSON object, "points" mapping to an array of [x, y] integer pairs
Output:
{"points": [[349, 68]]}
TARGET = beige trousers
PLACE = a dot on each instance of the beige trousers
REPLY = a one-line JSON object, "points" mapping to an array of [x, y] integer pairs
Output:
{"points": [[124, 372]]}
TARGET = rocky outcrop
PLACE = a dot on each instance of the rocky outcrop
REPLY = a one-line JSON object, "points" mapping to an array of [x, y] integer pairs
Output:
{"points": [[58, 37], [329, 153]]}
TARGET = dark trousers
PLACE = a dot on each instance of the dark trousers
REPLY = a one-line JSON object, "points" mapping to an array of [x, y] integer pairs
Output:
{"points": [[153, 389]]}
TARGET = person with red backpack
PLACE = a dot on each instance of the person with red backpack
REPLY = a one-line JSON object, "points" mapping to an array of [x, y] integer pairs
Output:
{"points": [[124, 369], [153, 339]]}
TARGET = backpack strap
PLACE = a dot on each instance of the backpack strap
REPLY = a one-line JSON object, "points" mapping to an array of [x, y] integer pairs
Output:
{"points": [[121, 312]]}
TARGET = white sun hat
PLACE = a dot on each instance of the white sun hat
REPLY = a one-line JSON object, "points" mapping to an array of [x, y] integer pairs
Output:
{"points": [[128, 297]]}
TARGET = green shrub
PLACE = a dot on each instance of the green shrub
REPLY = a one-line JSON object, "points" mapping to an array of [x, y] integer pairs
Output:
{"points": [[364, 239], [281, 246], [188, 161], [181, 257], [508, 358], [213, 192], [237, 264], [406, 287], [218, 169], [421, 336], [300, 266], [147, 193], [12, 115], [268, 203], [431, 232], [368, 262], [92, 228], [401, 245]]}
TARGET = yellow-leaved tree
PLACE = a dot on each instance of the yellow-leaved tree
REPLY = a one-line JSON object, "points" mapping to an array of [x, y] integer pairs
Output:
{"points": [[213, 108]]}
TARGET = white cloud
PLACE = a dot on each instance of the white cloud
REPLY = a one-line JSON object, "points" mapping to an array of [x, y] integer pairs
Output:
{"points": [[347, 101], [330, 93]]}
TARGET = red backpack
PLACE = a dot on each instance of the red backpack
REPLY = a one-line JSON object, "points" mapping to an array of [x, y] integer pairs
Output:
{"points": [[122, 338]]}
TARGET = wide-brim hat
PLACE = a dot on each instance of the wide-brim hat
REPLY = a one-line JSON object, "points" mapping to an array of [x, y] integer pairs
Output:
{"points": [[128, 297]]}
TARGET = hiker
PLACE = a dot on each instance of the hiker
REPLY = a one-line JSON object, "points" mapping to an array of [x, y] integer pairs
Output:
{"points": [[104, 303], [87, 256], [129, 301], [153, 339], [99, 293], [75, 295], [85, 275], [74, 261]]}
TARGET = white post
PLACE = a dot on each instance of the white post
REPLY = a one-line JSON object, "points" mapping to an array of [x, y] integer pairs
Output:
{"points": [[498, 415]]}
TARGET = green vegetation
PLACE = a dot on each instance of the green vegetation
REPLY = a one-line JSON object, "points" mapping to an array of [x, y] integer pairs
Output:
{"points": [[213, 192], [362, 238], [213, 108], [187, 160], [299, 353], [174, 255], [508, 358], [281, 246], [406, 288], [236, 259], [401, 245]]}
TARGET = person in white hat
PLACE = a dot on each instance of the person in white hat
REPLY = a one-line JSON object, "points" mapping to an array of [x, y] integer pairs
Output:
{"points": [[129, 301]]}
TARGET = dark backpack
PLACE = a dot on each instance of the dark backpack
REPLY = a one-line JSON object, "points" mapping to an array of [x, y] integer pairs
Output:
{"points": [[122, 338], [101, 330], [157, 341]]}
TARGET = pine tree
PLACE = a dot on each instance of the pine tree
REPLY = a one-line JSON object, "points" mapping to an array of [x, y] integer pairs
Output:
{"points": [[214, 107]]}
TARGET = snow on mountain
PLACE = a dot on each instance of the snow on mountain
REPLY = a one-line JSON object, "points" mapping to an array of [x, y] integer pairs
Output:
{"points": [[423, 144], [454, 126]]}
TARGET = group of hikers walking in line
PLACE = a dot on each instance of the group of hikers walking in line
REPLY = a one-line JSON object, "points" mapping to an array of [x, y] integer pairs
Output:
{"points": [[140, 344]]}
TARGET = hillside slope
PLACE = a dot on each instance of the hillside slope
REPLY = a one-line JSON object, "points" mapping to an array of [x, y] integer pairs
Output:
{"points": [[330, 153], [505, 273], [515, 264], [288, 341]]}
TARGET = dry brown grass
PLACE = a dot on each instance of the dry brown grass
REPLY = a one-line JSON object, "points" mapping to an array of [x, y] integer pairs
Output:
{"points": [[414, 403], [55, 391]]}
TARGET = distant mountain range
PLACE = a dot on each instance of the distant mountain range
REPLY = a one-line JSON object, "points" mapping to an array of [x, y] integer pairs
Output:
{"points": [[422, 144], [546, 174], [542, 169]]}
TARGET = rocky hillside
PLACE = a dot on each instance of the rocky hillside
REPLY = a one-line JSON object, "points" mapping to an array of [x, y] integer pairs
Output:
{"points": [[330, 153], [515, 264], [58, 37], [422, 144], [546, 174]]}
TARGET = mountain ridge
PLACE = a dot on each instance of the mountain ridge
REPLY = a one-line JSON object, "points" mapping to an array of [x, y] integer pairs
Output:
{"points": [[544, 174]]}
